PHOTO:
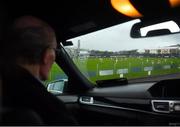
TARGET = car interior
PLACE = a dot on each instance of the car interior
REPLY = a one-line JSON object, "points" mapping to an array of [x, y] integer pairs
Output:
{"points": [[103, 99]]}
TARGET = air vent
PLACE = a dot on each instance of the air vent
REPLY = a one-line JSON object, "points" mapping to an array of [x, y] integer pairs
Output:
{"points": [[86, 100], [165, 106], [161, 106]]}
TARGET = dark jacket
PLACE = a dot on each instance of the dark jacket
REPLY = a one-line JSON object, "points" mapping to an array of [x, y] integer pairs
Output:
{"points": [[22, 90]]}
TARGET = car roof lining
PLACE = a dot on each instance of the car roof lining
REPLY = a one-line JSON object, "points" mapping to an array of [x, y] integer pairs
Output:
{"points": [[72, 18], [67, 17]]}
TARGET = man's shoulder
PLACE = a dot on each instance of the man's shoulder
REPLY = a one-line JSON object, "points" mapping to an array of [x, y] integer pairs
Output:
{"points": [[18, 74], [18, 81], [23, 88]]}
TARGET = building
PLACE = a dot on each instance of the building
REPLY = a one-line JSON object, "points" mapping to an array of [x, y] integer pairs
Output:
{"points": [[174, 50], [84, 54]]}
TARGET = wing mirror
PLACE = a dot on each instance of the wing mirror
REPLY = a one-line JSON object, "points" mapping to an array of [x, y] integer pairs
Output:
{"points": [[56, 87]]}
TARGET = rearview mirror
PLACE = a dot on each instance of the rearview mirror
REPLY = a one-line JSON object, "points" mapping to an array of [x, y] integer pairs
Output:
{"points": [[140, 29], [56, 87]]}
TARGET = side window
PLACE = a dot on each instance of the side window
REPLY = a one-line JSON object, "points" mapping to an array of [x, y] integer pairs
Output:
{"points": [[56, 73]]}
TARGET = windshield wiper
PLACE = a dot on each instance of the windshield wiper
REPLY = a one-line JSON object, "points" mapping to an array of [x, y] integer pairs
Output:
{"points": [[112, 82]]}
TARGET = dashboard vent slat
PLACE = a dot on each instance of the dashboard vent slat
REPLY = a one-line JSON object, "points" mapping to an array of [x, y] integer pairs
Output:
{"points": [[165, 106]]}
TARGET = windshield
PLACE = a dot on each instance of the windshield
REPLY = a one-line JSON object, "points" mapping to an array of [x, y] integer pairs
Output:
{"points": [[111, 53]]}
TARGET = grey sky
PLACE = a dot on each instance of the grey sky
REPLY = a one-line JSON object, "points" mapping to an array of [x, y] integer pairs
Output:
{"points": [[117, 38]]}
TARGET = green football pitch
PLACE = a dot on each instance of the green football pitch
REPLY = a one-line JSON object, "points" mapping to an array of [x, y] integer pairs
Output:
{"points": [[110, 68]]}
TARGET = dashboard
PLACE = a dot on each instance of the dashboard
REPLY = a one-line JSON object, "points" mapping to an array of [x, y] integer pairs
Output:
{"points": [[158, 102]]}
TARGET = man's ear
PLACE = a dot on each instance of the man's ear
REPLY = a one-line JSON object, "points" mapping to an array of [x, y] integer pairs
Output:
{"points": [[46, 64], [46, 57]]}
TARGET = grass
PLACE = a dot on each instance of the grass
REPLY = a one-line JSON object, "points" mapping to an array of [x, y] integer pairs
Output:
{"points": [[136, 67]]}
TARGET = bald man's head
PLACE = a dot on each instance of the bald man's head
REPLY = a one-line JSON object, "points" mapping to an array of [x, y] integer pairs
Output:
{"points": [[28, 38], [29, 21], [26, 22]]}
